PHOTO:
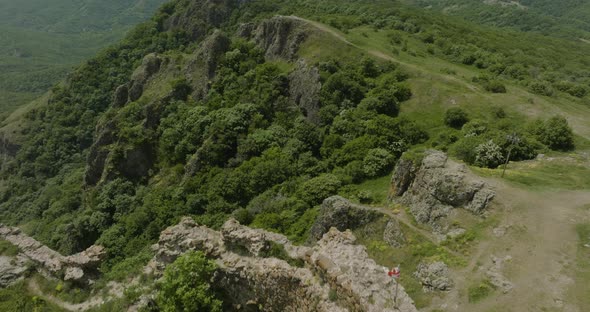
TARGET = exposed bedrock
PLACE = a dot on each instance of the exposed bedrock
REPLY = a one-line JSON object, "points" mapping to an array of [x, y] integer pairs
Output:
{"points": [[434, 276], [280, 36], [340, 213], [78, 267], [334, 275], [304, 90], [436, 186]]}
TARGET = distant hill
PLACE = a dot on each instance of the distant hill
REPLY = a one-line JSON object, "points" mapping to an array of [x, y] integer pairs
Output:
{"points": [[566, 18], [39, 43]]}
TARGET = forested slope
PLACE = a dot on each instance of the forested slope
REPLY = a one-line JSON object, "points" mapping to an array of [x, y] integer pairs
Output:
{"points": [[556, 18], [218, 109]]}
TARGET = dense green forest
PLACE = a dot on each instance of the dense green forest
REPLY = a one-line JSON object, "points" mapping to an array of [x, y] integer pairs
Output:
{"points": [[244, 149], [556, 18], [40, 43]]}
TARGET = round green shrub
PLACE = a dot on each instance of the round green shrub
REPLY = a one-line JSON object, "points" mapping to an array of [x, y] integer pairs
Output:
{"points": [[456, 117]]}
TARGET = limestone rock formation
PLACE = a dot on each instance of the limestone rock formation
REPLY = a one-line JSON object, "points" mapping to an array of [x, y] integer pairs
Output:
{"points": [[149, 66], [304, 90], [98, 153], [393, 234], [201, 66], [280, 37], [434, 276], [121, 95], [403, 176], [197, 17], [437, 187], [234, 234], [335, 265], [340, 213], [75, 267], [357, 279], [12, 270], [137, 160]]}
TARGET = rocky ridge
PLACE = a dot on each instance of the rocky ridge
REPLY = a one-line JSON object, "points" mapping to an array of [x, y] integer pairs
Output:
{"points": [[78, 267], [279, 38], [436, 186], [336, 275]]}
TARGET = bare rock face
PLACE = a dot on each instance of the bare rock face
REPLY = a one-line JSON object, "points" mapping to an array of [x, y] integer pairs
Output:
{"points": [[74, 267], [197, 17], [438, 186], [336, 274], [138, 159], [434, 276], [149, 66], [121, 95], [279, 36], [403, 176], [98, 152], [393, 234], [11, 270], [360, 284], [341, 214], [89, 258], [201, 66], [304, 90], [236, 235]]}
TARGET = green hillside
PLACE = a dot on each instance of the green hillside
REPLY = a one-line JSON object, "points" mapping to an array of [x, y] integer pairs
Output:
{"points": [[557, 18], [40, 43], [201, 111]]}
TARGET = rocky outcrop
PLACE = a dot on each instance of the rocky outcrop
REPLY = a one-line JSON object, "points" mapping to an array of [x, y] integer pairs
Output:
{"points": [[201, 66], [403, 176], [99, 152], [12, 270], [340, 213], [149, 66], [280, 36], [121, 96], [304, 90], [438, 186], [237, 237], [360, 284], [74, 267], [134, 162], [198, 17], [337, 274], [393, 234], [434, 276]]}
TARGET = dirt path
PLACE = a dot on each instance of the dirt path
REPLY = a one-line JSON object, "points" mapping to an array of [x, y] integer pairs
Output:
{"points": [[402, 217], [382, 55], [577, 114], [84, 306], [115, 290], [541, 241]]}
